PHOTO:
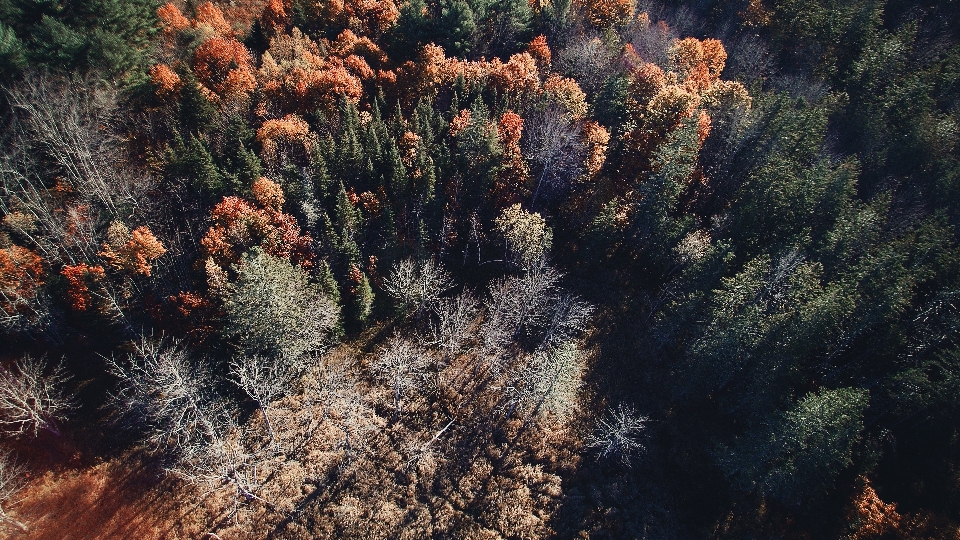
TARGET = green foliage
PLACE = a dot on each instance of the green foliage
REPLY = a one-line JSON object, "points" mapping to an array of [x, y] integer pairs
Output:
{"points": [[814, 444], [113, 37], [274, 308]]}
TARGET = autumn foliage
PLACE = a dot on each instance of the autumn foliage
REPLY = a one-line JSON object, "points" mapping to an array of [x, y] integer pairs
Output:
{"points": [[131, 251], [80, 279], [21, 276], [239, 225]]}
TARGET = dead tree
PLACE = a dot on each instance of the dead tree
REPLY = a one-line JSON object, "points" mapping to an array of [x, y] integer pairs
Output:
{"points": [[11, 482], [517, 305], [163, 395], [265, 380], [401, 366], [455, 318], [617, 434], [549, 381], [31, 401], [417, 286], [335, 392]]}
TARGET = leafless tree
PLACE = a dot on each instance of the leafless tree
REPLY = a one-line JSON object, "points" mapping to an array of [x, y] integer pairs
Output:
{"points": [[555, 148], [570, 318], [31, 401], [549, 381], [11, 482], [516, 305], [417, 286], [617, 434], [265, 380], [401, 366], [230, 457], [587, 59], [335, 391], [70, 122], [163, 394], [455, 318]]}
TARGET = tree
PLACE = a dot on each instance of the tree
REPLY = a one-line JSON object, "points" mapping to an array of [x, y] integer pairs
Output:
{"points": [[617, 434], [455, 317], [31, 401], [265, 380], [401, 366], [11, 482], [549, 382], [21, 279], [526, 237], [164, 395], [815, 443], [274, 308], [417, 286]]}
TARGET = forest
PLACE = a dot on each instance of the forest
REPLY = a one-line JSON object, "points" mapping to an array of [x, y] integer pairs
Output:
{"points": [[480, 269]]}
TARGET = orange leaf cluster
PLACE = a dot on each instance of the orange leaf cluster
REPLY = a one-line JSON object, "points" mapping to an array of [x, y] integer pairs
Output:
{"points": [[133, 252], [460, 122], [567, 93], [510, 184], [606, 13], [598, 139], [225, 66], [409, 144], [166, 81], [290, 133], [21, 275], [239, 225], [870, 516], [690, 55], [80, 277], [268, 194], [172, 18], [208, 14], [540, 52], [519, 75], [297, 74]]}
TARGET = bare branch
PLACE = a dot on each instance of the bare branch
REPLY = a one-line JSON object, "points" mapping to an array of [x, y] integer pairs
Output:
{"points": [[11, 482], [417, 286], [617, 434], [400, 365], [31, 401]]}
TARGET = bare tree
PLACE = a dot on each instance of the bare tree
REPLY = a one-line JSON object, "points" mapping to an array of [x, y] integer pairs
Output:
{"points": [[517, 305], [265, 380], [336, 391], [31, 401], [69, 122], [456, 316], [555, 147], [400, 365], [549, 381], [11, 482], [163, 394], [617, 434], [570, 318], [417, 285]]}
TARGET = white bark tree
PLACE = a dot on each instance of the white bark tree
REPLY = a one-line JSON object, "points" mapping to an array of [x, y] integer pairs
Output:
{"points": [[31, 401], [417, 285], [618, 433], [400, 365]]}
